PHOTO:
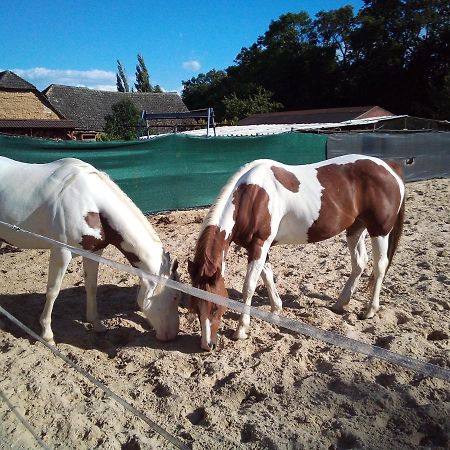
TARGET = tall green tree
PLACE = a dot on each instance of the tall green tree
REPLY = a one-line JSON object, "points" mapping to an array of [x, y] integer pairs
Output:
{"points": [[122, 123], [401, 53], [207, 90], [288, 61], [122, 82], [142, 77]]}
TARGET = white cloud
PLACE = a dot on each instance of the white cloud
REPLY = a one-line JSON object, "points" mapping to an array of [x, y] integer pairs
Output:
{"points": [[42, 77], [192, 65]]}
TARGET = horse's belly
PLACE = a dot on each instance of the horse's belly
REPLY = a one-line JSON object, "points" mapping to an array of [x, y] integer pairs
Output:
{"points": [[293, 230], [21, 240]]}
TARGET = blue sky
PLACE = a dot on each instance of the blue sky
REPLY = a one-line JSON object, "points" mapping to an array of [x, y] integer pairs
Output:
{"points": [[78, 42]]}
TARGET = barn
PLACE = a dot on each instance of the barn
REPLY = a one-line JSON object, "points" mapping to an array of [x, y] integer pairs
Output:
{"points": [[88, 107], [24, 111]]}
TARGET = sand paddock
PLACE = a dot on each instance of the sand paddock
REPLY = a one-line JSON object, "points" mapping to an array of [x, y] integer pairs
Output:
{"points": [[277, 390]]}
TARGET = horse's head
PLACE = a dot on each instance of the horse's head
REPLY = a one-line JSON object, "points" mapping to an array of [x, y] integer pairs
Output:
{"points": [[159, 303], [209, 314]]}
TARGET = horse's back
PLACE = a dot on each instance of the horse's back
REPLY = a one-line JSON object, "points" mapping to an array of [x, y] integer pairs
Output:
{"points": [[39, 198], [313, 202]]}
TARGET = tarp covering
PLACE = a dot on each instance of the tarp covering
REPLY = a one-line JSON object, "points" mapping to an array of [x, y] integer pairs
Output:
{"points": [[174, 171], [423, 155]]}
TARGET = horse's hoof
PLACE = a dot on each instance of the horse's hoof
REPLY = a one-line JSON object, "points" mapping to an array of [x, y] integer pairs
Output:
{"points": [[369, 314], [206, 347], [240, 335], [339, 309], [276, 310]]}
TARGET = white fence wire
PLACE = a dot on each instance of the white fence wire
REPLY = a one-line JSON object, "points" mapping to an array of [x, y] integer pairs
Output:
{"points": [[339, 340]]}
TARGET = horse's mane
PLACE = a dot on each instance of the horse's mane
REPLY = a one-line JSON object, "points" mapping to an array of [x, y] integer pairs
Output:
{"points": [[217, 208], [124, 197]]}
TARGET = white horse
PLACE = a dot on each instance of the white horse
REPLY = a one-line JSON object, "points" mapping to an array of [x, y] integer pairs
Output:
{"points": [[70, 201]]}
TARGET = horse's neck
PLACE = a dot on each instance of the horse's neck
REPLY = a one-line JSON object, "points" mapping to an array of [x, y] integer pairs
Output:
{"points": [[129, 229], [211, 249]]}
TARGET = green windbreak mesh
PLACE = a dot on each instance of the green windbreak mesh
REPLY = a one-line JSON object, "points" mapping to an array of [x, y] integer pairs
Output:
{"points": [[173, 171]]}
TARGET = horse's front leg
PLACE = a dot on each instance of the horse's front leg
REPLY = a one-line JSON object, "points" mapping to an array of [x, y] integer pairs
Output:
{"points": [[90, 282], [59, 260], [254, 270]]}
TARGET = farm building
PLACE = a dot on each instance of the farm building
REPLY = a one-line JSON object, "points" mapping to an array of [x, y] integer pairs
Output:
{"points": [[88, 107], [25, 111], [330, 120], [325, 115]]}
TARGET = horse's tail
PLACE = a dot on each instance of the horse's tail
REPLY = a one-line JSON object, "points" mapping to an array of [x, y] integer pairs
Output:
{"points": [[397, 230], [395, 234]]}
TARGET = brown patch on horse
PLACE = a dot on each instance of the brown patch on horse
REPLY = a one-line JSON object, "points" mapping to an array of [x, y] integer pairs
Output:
{"points": [[206, 269], [286, 178], [359, 191], [251, 219], [108, 235], [89, 242]]}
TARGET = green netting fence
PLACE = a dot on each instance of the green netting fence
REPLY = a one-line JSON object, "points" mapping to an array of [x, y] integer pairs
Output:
{"points": [[173, 171]]}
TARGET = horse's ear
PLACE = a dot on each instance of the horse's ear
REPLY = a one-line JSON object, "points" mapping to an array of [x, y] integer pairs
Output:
{"points": [[174, 266], [192, 266], [186, 301]]}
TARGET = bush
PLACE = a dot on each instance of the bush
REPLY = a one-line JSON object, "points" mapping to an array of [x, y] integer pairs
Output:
{"points": [[123, 122]]}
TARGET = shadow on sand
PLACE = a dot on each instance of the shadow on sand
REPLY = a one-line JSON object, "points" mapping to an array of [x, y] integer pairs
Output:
{"points": [[118, 309]]}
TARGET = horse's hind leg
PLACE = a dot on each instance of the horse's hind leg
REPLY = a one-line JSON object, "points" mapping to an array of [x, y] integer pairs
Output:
{"points": [[59, 260], [358, 253], [90, 283], [380, 264], [267, 277]]}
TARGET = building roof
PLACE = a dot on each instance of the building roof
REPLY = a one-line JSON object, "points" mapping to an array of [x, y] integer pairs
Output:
{"points": [[9, 80], [401, 123], [37, 124], [24, 108], [326, 115], [88, 107]]}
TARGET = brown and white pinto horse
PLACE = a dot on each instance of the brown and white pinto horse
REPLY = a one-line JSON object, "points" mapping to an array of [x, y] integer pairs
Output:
{"points": [[267, 203], [72, 202]]}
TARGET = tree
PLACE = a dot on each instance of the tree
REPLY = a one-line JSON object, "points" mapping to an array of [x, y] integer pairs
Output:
{"points": [[206, 90], [122, 82], [402, 56], [258, 103], [288, 61], [392, 53], [142, 78], [334, 29], [122, 123]]}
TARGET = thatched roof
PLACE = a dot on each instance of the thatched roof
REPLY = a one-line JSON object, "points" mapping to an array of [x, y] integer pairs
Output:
{"points": [[88, 107], [326, 115]]}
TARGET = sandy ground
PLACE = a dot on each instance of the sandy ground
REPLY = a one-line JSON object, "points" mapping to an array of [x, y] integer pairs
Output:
{"points": [[277, 390]]}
